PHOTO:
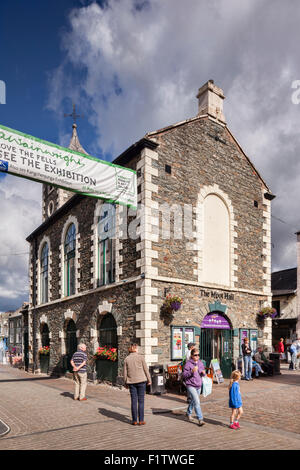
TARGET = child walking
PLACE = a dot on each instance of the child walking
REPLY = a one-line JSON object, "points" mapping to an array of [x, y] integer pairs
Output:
{"points": [[235, 400]]}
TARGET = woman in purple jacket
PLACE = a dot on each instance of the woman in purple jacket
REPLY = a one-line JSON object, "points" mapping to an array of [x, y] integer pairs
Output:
{"points": [[192, 375]]}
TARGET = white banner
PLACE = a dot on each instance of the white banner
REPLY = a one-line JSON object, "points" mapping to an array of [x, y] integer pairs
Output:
{"points": [[32, 158]]}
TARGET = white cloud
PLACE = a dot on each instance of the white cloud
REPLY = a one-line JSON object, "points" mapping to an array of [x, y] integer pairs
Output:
{"points": [[144, 61], [21, 204]]}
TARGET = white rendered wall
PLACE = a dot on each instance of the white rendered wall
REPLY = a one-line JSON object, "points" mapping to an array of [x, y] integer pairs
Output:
{"points": [[216, 241]]}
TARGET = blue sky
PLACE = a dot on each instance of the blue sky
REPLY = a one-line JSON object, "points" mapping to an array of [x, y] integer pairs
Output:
{"points": [[30, 37], [134, 66]]}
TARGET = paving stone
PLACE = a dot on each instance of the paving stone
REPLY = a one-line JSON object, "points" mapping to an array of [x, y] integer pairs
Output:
{"points": [[42, 414]]}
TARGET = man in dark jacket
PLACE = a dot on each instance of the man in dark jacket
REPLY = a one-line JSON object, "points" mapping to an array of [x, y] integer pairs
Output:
{"points": [[192, 375]]}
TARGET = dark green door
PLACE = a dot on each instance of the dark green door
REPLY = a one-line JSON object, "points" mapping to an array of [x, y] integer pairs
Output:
{"points": [[217, 344], [226, 353], [206, 343], [71, 344], [108, 370]]}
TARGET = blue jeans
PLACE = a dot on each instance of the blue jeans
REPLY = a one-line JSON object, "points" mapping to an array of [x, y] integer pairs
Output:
{"points": [[194, 394], [248, 367], [137, 393]]}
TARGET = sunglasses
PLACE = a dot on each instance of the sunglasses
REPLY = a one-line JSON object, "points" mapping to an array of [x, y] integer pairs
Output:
{"points": [[194, 355]]}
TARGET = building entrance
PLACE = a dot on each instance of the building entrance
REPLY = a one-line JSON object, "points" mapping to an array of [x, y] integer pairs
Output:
{"points": [[216, 342]]}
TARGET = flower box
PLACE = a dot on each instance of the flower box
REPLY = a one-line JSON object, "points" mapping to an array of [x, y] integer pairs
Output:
{"points": [[44, 351], [107, 354]]}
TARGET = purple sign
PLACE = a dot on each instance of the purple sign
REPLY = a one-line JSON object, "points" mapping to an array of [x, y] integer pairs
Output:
{"points": [[214, 320]]}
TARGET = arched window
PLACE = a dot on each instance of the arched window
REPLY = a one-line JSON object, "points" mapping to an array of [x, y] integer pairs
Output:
{"points": [[44, 274], [45, 335], [106, 245], [216, 242], [108, 332], [69, 256]]}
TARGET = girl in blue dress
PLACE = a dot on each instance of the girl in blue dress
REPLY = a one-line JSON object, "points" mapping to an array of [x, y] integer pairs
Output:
{"points": [[235, 400]]}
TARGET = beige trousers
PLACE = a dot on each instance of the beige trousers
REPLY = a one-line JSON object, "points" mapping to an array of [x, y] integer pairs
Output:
{"points": [[80, 380]]}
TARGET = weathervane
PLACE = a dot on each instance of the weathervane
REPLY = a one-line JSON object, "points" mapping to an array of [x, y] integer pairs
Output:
{"points": [[74, 115]]}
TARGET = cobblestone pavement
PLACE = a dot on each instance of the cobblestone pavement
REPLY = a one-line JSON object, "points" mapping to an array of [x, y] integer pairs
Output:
{"points": [[41, 414]]}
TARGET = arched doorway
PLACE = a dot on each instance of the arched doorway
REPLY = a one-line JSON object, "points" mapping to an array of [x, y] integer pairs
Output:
{"points": [[45, 350], [107, 338], [71, 343], [216, 341]]}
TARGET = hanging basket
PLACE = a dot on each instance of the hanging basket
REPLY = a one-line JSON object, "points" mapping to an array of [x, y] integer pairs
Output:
{"points": [[266, 312], [172, 304]]}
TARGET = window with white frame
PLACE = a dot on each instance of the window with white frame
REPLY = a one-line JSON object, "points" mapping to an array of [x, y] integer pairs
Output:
{"points": [[106, 245], [69, 260], [44, 265]]}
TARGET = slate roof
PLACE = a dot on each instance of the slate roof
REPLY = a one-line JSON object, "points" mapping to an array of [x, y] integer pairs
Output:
{"points": [[284, 282]]}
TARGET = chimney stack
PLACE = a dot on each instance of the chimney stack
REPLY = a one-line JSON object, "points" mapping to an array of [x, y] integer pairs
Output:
{"points": [[210, 99]]}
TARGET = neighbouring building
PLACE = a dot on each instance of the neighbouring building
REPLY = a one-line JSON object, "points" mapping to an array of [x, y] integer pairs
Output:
{"points": [[284, 292], [3, 335], [18, 345], [100, 273]]}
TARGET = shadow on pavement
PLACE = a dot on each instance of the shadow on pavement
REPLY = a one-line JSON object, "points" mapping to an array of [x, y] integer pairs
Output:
{"points": [[181, 415], [166, 396], [68, 395], [28, 379], [114, 415]]}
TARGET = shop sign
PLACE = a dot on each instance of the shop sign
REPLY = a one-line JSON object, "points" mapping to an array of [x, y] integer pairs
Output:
{"points": [[214, 320], [216, 294]]}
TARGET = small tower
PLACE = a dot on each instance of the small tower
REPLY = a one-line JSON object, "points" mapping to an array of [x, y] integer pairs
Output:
{"points": [[53, 197]]}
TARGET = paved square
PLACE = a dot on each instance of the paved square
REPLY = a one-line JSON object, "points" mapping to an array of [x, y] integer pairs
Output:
{"points": [[42, 414]]}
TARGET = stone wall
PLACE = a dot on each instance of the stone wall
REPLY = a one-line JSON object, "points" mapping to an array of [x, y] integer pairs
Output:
{"points": [[87, 311], [198, 160]]}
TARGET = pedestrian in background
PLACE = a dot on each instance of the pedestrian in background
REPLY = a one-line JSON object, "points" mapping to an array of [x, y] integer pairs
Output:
{"points": [[136, 376], [294, 350], [263, 361], [78, 362], [280, 348], [192, 374], [235, 400], [247, 357]]}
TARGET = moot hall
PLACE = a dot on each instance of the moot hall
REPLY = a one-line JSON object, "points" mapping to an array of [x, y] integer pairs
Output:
{"points": [[101, 274]]}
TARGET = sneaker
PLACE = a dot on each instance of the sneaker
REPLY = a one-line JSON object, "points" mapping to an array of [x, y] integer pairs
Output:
{"points": [[201, 422], [233, 426], [237, 425]]}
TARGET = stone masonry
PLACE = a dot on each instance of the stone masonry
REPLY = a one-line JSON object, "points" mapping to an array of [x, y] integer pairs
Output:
{"points": [[177, 166]]}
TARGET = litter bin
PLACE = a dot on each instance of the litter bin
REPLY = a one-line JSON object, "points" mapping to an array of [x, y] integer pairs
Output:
{"points": [[275, 357], [157, 379]]}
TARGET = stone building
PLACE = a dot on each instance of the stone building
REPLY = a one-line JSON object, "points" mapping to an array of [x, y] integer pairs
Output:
{"points": [[284, 300], [18, 345], [101, 273]]}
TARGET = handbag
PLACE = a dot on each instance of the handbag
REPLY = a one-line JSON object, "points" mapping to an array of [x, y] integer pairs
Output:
{"points": [[206, 386]]}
